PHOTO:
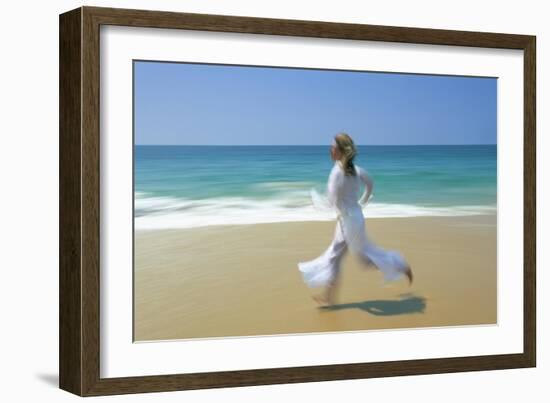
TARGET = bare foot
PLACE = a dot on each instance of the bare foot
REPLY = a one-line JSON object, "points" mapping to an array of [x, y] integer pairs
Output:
{"points": [[409, 274], [321, 300]]}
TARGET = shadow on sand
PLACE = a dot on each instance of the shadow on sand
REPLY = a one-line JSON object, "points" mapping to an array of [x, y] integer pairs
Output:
{"points": [[406, 305]]}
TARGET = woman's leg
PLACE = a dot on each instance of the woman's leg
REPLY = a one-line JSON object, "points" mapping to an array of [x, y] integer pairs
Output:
{"points": [[392, 264], [335, 253]]}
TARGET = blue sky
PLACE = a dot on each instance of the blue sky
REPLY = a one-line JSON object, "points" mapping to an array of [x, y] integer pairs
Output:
{"points": [[201, 104]]}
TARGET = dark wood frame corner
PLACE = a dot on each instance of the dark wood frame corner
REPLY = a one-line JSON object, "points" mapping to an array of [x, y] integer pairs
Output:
{"points": [[79, 177]]}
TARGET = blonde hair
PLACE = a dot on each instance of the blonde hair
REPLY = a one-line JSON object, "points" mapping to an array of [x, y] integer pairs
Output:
{"points": [[346, 146]]}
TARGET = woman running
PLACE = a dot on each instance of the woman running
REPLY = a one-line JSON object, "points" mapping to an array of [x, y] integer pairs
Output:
{"points": [[344, 185]]}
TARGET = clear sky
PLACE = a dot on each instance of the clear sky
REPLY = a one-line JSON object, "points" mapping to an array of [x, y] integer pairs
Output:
{"points": [[201, 104]]}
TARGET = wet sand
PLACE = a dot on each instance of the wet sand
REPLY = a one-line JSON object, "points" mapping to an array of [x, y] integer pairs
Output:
{"points": [[226, 281]]}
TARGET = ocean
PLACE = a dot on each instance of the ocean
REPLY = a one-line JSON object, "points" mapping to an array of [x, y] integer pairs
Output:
{"points": [[190, 186]]}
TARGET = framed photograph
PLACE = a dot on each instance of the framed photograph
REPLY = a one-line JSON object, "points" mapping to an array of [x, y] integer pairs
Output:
{"points": [[250, 201]]}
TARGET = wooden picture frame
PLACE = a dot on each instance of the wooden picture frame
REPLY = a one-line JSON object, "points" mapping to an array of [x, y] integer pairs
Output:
{"points": [[79, 280]]}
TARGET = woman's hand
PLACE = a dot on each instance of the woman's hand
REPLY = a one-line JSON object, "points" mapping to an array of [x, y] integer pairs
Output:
{"points": [[365, 197]]}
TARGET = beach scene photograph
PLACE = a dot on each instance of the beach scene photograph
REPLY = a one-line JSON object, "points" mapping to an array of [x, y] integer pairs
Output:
{"points": [[274, 201]]}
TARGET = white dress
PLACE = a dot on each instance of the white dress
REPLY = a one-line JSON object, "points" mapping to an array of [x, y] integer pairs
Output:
{"points": [[343, 196]]}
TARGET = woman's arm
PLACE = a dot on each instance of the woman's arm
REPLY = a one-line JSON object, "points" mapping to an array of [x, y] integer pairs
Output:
{"points": [[369, 185]]}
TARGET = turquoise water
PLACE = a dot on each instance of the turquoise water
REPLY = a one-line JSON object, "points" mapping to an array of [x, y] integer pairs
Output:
{"points": [[188, 186]]}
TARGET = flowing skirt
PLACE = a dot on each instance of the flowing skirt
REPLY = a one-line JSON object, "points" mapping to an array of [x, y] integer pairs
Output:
{"points": [[350, 234]]}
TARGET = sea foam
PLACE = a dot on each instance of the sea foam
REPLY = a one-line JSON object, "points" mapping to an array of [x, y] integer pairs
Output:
{"points": [[170, 212]]}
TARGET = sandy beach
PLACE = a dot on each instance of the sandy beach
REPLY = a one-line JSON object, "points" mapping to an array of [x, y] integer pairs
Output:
{"points": [[243, 280]]}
